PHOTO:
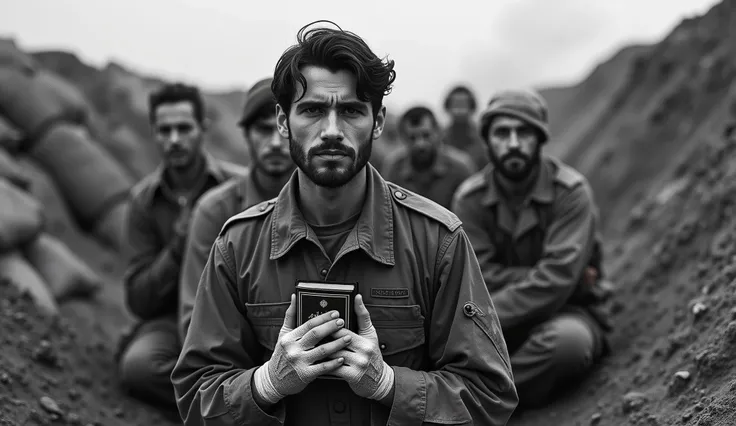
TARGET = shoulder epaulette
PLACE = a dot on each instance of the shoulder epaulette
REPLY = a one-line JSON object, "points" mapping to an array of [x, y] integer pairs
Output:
{"points": [[567, 176], [425, 207], [258, 210], [474, 183]]}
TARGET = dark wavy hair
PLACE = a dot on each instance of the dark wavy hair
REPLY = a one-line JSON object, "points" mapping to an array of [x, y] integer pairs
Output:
{"points": [[413, 116], [336, 50], [174, 93], [461, 89]]}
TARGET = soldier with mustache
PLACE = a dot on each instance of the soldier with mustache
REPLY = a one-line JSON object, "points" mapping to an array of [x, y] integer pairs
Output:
{"points": [[160, 212], [532, 222]]}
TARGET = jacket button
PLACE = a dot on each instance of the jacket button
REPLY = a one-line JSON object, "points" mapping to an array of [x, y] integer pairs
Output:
{"points": [[382, 346], [323, 272], [400, 195], [263, 208], [469, 310], [338, 407]]}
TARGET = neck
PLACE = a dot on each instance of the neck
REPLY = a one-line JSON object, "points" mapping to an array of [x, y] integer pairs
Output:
{"points": [[517, 189], [184, 178], [269, 185], [326, 206]]}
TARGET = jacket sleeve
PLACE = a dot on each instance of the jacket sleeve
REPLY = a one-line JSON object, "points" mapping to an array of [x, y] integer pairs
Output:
{"points": [[470, 379], [205, 226], [212, 377], [151, 277], [495, 275], [567, 249]]}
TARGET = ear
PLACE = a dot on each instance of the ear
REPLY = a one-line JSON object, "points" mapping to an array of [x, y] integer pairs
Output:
{"points": [[205, 124], [282, 121], [379, 122]]}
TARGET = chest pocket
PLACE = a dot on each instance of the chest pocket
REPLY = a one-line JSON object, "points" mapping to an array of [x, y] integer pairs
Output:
{"points": [[267, 319], [528, 249], [401, 334]]}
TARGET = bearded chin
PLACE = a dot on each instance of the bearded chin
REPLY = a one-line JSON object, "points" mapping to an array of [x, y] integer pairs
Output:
{"points": [[332, 177], [516, 175]]}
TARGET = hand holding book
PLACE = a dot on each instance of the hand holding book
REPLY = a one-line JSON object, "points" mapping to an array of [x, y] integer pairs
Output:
{"points": [[297, 358], [364, 368]]}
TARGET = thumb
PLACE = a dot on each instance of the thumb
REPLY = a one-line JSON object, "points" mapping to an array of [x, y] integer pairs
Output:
{"points": [[362, 315], [290, 317]]}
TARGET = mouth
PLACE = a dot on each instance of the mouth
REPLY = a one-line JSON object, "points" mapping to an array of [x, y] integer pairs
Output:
{"points": [[331, 154], [515, 164]]}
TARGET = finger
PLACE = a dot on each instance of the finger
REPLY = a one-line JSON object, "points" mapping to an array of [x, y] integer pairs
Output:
{"points": [[350, 358], [362, 315], [312, 337], [342, 332], [326, 349], [290, 317], [300, 331], [330, 365]]}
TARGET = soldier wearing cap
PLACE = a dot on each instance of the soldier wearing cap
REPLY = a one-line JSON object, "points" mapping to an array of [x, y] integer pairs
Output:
{"points": [[271, 166], [427, 348], [532, 222]]}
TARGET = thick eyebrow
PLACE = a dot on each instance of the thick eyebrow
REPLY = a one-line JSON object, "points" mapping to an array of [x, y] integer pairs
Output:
{"points": [[360, 106]]}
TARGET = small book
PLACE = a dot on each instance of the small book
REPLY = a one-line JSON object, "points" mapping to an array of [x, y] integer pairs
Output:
{"points": [[316, 298]]}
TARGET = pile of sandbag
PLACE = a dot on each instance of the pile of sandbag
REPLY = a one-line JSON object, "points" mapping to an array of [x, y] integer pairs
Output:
{"points": [[30, 258], [51, 115]]}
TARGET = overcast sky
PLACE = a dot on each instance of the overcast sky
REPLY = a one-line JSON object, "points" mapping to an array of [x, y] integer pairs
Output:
{"points": [[232, 43]]}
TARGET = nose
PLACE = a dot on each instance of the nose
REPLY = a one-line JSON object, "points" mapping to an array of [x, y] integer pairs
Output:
{"points": [[277, 141], [174, 136], [514, 140], [331, 129]]}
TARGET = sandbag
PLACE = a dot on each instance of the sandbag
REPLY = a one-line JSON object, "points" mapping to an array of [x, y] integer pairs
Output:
{"points": [[10, 137], [131, 150], [12, 57], [31, 105], [65, 273], [58, 219], [111, 229], [21, 216], [16, 269], [89, 178], [66, 95], [12, 171]]}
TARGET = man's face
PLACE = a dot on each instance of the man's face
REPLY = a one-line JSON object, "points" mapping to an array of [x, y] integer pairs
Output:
{"points": [[178, 134], [330, 130], [423, 139], [269, 150], [460, 106], [514, 145]]}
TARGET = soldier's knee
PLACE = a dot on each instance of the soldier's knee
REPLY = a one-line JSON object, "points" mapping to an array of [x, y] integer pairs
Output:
{"points": [[136, 368], [572, 344]]}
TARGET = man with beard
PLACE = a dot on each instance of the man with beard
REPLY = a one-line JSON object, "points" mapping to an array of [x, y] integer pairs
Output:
{"points": [[271, 167], [426, 347], [425, 166], [462, 133], [159, 216], [532, 222]]}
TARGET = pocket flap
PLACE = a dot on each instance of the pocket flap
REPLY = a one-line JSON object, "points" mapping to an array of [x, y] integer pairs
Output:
{"points": [[267, 319], [399, 328]]}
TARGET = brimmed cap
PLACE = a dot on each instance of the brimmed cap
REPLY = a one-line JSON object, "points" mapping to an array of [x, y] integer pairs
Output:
{"points": [[259, 95]]}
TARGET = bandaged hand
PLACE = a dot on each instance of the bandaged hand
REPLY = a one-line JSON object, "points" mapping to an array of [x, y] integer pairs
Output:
{"points": [[296, 361], [364, 368]]}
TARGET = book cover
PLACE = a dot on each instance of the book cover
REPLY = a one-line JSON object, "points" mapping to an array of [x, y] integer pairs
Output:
{"points": [[315, 298]]}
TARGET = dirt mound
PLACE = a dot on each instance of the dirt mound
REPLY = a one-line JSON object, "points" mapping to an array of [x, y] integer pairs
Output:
{"points": [[661, 161], [647, 129]]}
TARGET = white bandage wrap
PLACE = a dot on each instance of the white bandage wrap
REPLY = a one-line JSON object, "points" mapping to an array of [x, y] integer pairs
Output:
{"points": [[385, 383], [264, 386]]}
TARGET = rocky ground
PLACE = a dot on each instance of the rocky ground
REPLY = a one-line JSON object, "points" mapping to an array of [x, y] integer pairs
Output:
{"points": [[647, 128]]}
